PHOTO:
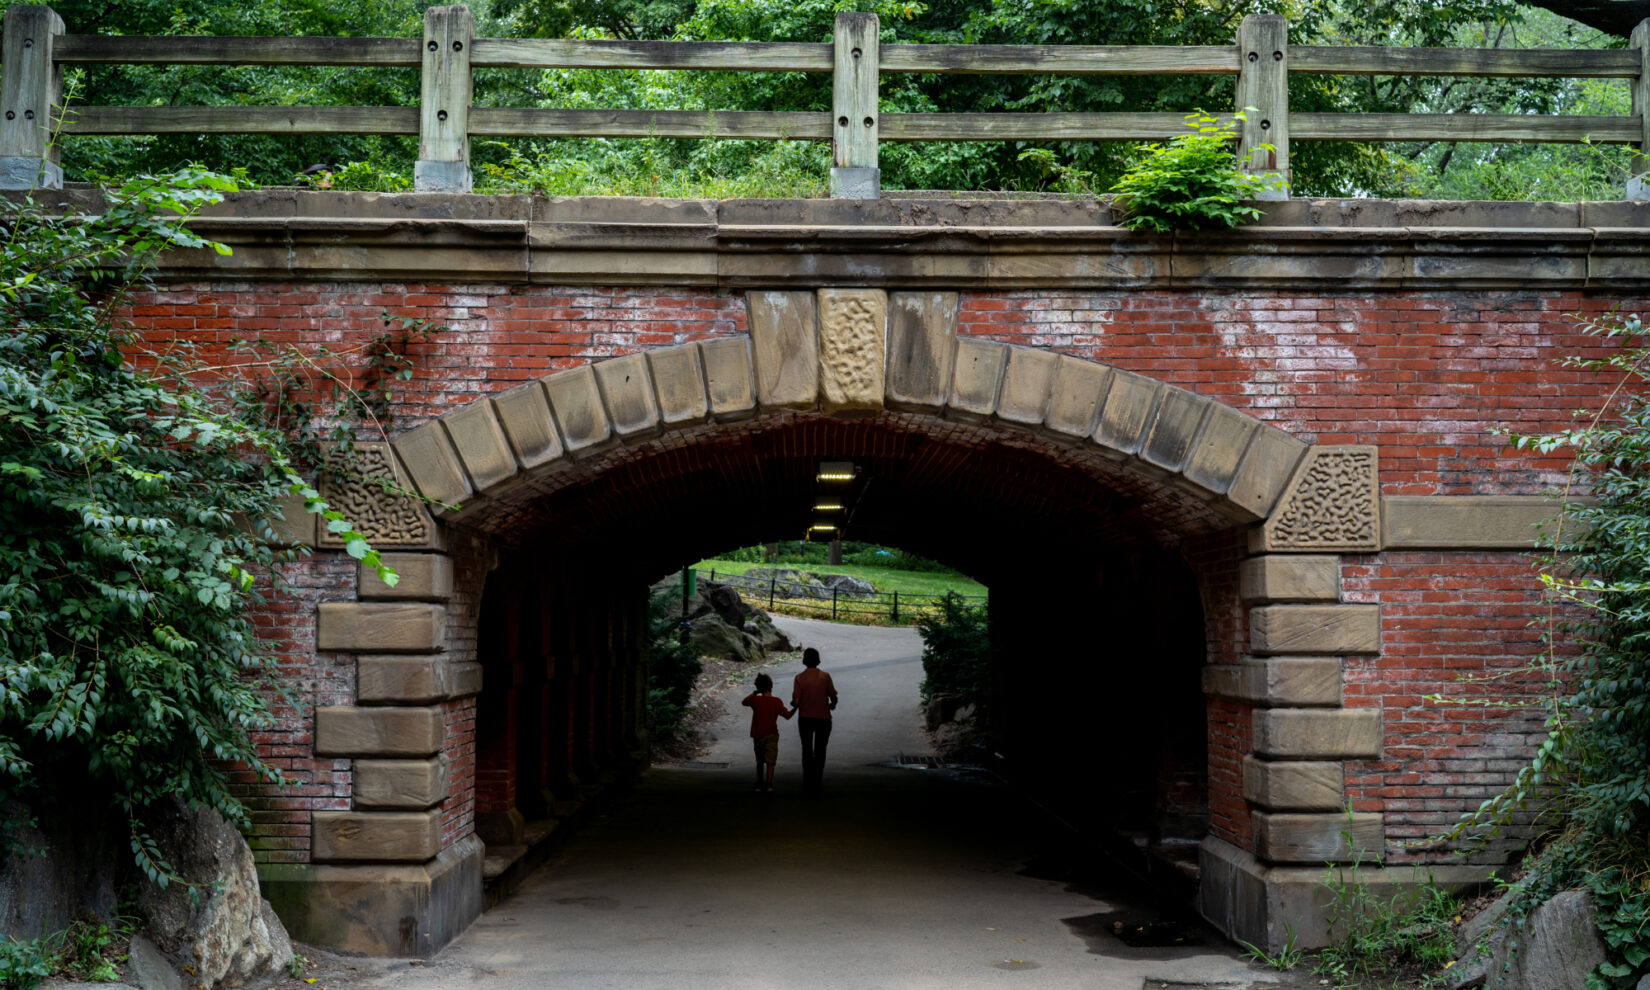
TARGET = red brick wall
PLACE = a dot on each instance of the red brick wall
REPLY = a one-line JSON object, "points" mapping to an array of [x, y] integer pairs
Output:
{"points": [[286, 623], [1453, 625], [1216, 561], [1430, 380]]}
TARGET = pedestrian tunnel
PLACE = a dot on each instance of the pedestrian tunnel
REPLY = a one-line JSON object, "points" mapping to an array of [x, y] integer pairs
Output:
{"points": [[1120, 524]]}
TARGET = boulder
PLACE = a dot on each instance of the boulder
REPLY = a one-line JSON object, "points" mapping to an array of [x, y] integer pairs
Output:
{"points": [[231, 936], [149, 969], [1556, 946], [847, 587], [715, 638]]}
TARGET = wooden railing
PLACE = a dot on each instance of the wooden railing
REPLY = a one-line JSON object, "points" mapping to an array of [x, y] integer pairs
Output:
{"points": [[36, 49]]}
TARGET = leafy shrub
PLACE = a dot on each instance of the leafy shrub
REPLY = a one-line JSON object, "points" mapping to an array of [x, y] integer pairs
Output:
{"points": [[673, 667], [24, 962], [956, 645], [1192, 182], [135, 511]]}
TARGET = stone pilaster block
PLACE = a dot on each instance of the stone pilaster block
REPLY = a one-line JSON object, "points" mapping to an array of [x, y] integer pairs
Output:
{"points": [[1026, 383], [1288, 785], [406, 732], [576, 402], [1219, 448], [1307, 838], [679, 383], [852, 349], [1317, 734], [373, 627], [976, 378], [1175, 425], [1277, 682], [482, 447], [785, 341], [1127, 412], [1290, 578], [524, 416], [434, 465], [1334, 630], [374, 836], [400, 785], [1267, 466], [401, 680], [730, 377], [422, 577], [464, 680], [296, 525], [1464, 522], [922, 330], [1332, 503], [1078, 390]]}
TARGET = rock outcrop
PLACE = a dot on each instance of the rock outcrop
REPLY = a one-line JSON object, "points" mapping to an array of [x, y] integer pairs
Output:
{"points": [[231, 937], [721, 624], [1556, 946]]}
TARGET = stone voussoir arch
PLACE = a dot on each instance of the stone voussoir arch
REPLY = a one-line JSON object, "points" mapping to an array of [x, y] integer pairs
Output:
{"points": [[855, 352]]}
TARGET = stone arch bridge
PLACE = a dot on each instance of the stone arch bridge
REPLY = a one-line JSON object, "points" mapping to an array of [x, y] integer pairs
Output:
{"points": [[1265, 464]]}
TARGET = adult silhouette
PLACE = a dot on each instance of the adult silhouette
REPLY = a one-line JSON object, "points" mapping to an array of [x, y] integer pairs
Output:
{"points": [[814, 698]]}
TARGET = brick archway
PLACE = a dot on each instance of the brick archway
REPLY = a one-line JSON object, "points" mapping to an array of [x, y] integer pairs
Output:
{"points": [[848, 371]]}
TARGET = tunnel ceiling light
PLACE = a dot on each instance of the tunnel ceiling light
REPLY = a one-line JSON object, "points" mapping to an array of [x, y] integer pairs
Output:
{"points": [[828, 507], [822, 527], [836, 471]]}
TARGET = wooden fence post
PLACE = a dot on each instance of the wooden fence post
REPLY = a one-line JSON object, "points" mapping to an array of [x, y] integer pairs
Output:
{"points": [[31, 91], [854, 171], [444, 113], [1638, 183], [1263, 93]]}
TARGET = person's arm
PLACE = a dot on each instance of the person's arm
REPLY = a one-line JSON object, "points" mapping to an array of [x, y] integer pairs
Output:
{"points": [[749, 701], [830, 691], [787, 712]]}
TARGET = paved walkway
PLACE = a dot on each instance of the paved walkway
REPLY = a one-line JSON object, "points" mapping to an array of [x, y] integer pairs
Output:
{"points": [[895, 878]]}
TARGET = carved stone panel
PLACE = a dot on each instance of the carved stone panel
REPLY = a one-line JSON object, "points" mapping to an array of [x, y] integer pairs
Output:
{"points": [[852, 338], [1332, 503], [368, 499]]}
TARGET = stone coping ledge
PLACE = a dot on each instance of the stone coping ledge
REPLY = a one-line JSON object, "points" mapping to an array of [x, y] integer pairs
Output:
{"points": [[1323, 244]]}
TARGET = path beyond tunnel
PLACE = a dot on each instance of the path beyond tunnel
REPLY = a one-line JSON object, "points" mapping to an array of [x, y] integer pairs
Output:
{"points": [[896, 878]]}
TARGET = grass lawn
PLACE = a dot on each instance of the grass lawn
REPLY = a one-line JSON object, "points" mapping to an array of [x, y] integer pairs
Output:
{"points": [[886, 579]]}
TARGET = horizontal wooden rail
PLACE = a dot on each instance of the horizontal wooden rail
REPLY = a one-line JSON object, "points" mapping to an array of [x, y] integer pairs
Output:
{"points": [[751, 56], [732, 124], [448, 52], [1463, 127], [1502, 62], [100, 49], [1034, 126], [1064, 60], [241, 120]]}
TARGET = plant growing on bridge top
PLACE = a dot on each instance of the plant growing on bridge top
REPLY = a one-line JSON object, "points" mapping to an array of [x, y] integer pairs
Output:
{"points": [[1192, 183], [136, 511]]}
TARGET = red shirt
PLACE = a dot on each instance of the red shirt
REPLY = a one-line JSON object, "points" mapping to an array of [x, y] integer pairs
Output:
{"points": [[812, 693], [765, 713]]}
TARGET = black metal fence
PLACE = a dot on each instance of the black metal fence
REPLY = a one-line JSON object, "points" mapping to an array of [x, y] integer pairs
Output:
{"points": [[770, 592]]}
